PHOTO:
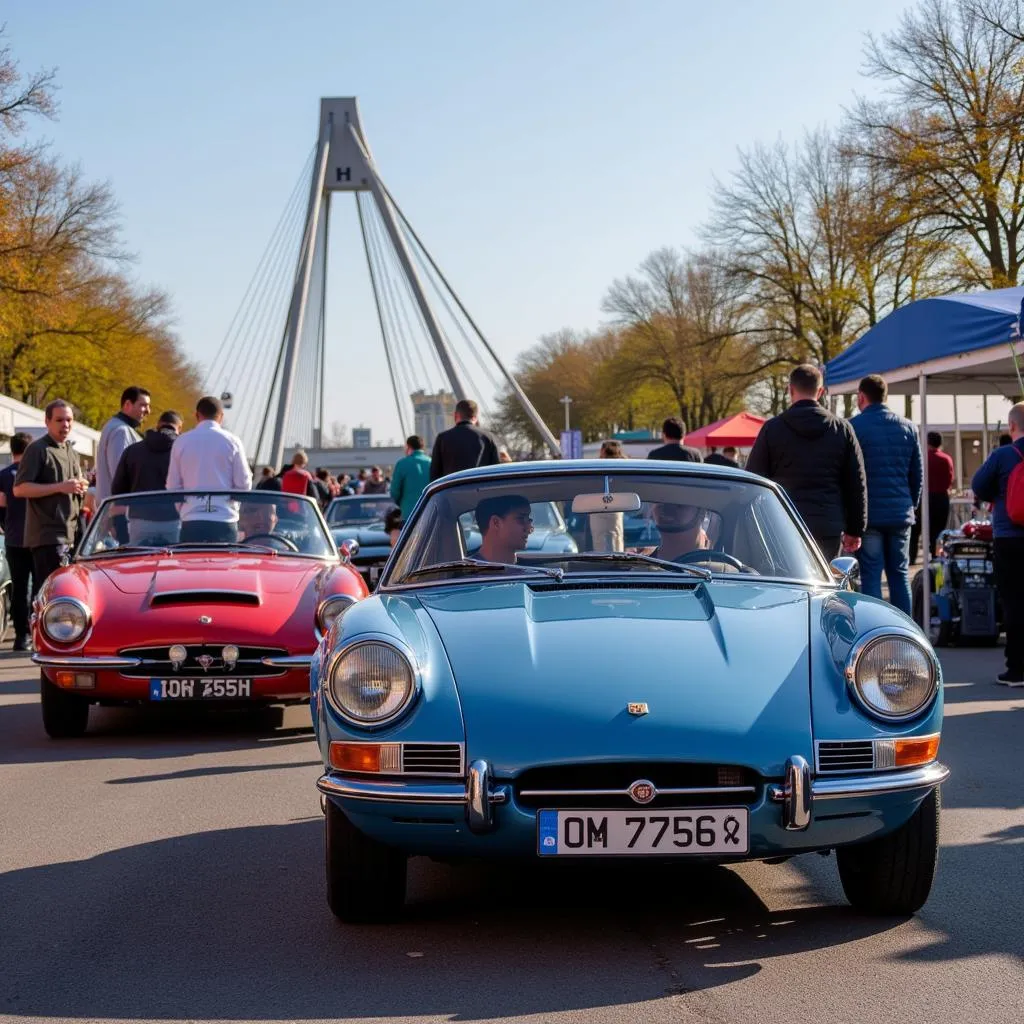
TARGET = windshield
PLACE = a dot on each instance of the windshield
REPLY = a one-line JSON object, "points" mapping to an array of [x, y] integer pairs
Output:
{"points": [[719, 525], [358, 511], [263, 520]]}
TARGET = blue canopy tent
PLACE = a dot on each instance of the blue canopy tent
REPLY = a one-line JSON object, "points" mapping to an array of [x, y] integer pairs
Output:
{"points": [[953, 345]]}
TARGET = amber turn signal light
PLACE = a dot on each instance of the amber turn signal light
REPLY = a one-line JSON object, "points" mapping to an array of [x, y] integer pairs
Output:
{"points": [[917, 750], [365, 757]]}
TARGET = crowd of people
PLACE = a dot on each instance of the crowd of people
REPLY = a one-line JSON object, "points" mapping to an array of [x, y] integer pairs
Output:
{"points": [[857, 484]]}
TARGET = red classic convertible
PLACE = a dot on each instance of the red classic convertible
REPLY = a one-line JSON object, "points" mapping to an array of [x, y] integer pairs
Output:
{"points": [[213, 596]]}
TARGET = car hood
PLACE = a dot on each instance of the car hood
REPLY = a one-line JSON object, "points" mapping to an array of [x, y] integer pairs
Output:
{"points": [[245, 574], [367, 536], [544, 675]]}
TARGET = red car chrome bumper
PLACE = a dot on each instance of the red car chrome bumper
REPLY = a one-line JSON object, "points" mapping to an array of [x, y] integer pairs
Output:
{"points": [[101, 677]]}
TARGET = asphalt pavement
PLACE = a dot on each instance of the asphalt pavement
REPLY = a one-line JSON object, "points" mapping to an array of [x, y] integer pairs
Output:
{"points": [[169, 867]]}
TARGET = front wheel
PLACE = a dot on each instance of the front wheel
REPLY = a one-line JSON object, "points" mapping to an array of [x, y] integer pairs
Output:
{"points": [[65, 715], [893, 874], [365, 879]]}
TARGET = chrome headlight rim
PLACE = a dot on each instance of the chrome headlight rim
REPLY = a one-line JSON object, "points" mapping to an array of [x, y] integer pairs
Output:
{"points": [[75, 603], [869, 640], [362, 640], [347, 600]]}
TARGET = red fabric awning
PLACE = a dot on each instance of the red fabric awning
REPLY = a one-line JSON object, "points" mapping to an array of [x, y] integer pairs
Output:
{"points": [[739, 431]]}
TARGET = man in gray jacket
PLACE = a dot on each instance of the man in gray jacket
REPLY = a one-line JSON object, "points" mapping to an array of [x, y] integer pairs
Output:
{"points": [[120, 431]]}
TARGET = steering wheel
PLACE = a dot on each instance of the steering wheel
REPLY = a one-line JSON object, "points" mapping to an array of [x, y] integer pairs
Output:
{"points": [[287, 543], [712, 556]]}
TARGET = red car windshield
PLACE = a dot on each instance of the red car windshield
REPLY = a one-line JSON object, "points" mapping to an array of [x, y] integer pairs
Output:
{"points": [[182, 520]]}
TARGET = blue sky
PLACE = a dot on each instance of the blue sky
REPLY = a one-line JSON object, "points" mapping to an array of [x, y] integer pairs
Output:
{"points": [[541, 149]]}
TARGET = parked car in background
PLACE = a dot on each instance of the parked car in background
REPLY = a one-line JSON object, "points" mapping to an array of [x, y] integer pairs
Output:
{"points": [[725, 697], [162, 618], [359, 518]]}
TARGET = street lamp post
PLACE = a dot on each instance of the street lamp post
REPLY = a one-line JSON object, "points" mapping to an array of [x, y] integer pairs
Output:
{"points": [[566, 401]]}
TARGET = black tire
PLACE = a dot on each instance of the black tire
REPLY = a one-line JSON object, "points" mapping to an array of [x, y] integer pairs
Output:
{"points": [[941, 635], [893, 874], [65, 715], [365, 879]]}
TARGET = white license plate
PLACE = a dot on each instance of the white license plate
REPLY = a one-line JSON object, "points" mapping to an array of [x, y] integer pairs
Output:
{"points": [[199, 689], [704, 830]]}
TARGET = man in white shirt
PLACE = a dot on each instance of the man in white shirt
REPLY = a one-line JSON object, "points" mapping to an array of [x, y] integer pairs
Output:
{"points": [[209, 458]]}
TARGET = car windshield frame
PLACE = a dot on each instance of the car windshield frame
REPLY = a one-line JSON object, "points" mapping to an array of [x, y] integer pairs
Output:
{"points": [[656, 472], [255, 496]]}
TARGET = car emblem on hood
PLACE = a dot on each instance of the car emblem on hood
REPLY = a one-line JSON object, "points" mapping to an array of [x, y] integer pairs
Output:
{"points": [[205, 620], [638, 708], [642, 791], [205, 661]]}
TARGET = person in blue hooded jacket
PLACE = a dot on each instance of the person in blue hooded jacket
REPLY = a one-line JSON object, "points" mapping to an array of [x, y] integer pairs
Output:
{"points": [[892, 465], [989, 484]]}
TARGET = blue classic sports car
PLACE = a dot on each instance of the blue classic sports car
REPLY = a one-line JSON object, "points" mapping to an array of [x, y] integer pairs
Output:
{"points": [[721, 697]]}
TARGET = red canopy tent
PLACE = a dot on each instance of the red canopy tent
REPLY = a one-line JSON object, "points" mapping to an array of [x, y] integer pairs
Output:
{"points": [[739, 431]]}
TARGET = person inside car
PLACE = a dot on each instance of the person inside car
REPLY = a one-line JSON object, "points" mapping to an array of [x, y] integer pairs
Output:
{"points": [[505, 524], [257, 519], [681, 528]]}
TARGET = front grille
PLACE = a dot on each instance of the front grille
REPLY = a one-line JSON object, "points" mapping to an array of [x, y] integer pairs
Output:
{"points": [[568, 785], [432, 759], [156, 662], [845, 756]]}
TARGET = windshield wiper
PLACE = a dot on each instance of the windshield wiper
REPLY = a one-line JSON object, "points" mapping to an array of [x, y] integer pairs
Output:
{"points": [[222, 545], [478, 565], [129, 549], [617, 556]]}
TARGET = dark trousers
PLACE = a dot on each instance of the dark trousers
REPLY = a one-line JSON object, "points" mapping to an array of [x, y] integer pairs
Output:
{"points": [[205, 531], [938, 520], [1009, 566], [45, 560], [22, 572]]}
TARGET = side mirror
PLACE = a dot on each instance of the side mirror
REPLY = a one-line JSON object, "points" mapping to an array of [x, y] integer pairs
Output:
{"points": [[348, 549], [845, 568]]}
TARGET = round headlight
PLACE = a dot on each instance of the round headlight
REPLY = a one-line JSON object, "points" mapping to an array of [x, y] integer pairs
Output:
{"points": [[372, 683], [894, 676], [331, 610], [65, 619]]}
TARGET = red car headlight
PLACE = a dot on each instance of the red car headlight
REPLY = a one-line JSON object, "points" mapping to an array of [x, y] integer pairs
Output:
{"points": [[65, 619], [331, 610]]}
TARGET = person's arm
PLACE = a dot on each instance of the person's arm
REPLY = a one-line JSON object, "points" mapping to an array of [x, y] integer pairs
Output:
{"points": [[175, 481], [25, 485], [395, 490], [241, 475], [435, 459], [855, 487], [986, 480], [491, 456], [916, 473], [117, 444], [758, 461], [121, 482]]}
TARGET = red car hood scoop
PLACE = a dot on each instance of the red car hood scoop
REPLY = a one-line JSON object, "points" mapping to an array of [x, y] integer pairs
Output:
{"points": [[242, 580]]}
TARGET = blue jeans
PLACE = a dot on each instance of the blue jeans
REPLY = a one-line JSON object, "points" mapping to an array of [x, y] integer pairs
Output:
{"points": [[887, 548]]}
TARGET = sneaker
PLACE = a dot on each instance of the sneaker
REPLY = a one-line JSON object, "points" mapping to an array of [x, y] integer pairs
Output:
{"points": [[1011, 678], [23, 643]]}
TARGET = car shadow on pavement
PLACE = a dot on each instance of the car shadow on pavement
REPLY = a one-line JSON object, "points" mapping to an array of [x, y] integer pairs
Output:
{"points": [[144, 733], [233, 924]]}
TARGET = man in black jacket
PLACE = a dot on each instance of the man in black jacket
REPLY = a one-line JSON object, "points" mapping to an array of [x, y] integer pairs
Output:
{"points": [[673, 430], [143, 467], [463, 446], [816, 458]]}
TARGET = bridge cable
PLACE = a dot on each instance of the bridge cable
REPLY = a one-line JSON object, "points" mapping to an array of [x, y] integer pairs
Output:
{"points": [[296, 192], [380, 319]]}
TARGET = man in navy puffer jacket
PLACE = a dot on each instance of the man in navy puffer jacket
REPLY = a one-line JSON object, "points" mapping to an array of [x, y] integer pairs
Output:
{"points": [[892, 464], [989, 484]]}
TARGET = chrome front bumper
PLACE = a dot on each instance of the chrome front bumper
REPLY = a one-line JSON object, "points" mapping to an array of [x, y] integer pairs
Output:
{"points": [[478, 795], [73, 661]]}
